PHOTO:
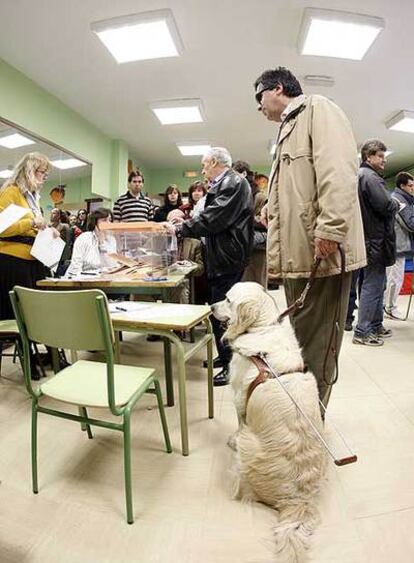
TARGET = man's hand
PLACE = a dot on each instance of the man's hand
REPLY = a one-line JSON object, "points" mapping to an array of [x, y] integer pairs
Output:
{"points": [[169, 227], [324, 247], [39, 223], [264, 218]]}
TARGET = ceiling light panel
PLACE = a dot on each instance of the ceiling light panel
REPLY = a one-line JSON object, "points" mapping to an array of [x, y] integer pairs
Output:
{"points": [[178, 111], [15, 140], [402, 121], [138, 37], [193, 149], [343, 35], [65, 164], [6, 173]]}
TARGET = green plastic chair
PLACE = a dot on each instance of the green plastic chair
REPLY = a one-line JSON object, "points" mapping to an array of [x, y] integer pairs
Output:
{"points": [[79, 320]]}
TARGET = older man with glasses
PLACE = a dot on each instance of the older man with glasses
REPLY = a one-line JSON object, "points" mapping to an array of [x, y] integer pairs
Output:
{"points": [[312, 208]]}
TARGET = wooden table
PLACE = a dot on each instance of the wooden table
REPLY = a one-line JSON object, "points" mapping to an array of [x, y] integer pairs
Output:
{"points": [[160, 288], [162, 319]]}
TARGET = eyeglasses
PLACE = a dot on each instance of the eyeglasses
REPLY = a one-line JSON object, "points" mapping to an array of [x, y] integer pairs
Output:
{"points": [[44, 173], [259, 94]]}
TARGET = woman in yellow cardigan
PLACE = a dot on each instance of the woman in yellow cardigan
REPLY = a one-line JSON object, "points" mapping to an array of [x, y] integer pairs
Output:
{"points": [[17, 265]]}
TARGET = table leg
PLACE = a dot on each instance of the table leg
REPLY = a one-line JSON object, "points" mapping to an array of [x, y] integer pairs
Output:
{"points": [[168, 372], [55, 360], [182, 395], [210, 387]]}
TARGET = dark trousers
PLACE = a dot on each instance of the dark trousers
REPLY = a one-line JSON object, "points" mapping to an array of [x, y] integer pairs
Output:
{"points": [[17, 271], [219, 286], [314, 322], [370, 311], [356, 284]]}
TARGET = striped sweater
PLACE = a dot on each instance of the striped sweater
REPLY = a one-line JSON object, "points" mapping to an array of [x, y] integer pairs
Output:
{"points": [[128, 208]]}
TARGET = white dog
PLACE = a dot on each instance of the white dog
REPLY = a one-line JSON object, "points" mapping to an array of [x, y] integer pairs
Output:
{"points": [[280, 461]]}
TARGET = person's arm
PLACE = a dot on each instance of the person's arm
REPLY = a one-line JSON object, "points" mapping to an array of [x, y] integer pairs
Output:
{"points": [[221, 213], [379, 199], [335, 161], [405, 216], [79, 251], [25, 225]]}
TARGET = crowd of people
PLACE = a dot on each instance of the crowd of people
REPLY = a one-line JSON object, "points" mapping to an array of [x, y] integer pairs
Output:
{"points": [[318, 205]]}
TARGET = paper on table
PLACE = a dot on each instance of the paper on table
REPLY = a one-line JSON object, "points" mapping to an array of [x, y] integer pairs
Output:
{"points": [[46, 248], [11, 215], [128, 306]]}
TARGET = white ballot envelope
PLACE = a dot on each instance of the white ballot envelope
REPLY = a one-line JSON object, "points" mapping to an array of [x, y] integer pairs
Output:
{"points": [[11, 215], [47, 249]]}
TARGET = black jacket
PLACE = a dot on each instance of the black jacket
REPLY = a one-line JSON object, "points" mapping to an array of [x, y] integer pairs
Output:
{"points": [[378, 215], [227, 225], [404, 222]]}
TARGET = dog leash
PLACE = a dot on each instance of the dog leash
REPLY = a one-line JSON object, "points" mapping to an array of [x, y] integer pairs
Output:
{"points": [[340, 461]]}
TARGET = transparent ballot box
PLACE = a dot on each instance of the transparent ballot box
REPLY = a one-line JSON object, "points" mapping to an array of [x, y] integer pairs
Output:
{"points": [[143, 249]]}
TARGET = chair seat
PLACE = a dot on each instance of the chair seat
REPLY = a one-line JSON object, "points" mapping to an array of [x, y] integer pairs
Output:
{"points": [[85, 383], [9, 328]]}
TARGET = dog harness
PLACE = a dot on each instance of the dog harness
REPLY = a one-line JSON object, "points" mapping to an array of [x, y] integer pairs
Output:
{"points": [[264, 374]]}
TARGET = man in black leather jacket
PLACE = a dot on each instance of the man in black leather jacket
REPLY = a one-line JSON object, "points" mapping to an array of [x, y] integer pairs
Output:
{"points": [[378, 215], [226, 223]]}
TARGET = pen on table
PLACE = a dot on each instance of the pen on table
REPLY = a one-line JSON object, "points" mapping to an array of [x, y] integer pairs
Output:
{"points": [[121, 309]]}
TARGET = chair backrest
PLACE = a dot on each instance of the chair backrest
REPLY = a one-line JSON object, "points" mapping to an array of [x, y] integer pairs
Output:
{"points": [[77, 320]]}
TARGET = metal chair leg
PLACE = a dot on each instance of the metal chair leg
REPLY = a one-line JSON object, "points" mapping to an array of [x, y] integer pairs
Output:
{"points": [[127, 467], [162, 416], [85, 425], [34, 446]]}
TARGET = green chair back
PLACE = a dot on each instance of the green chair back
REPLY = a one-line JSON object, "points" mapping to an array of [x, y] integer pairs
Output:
{"points": [[64, 319]]}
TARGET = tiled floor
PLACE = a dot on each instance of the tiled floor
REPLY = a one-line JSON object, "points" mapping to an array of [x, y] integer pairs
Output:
{"points": [[183, 509]]}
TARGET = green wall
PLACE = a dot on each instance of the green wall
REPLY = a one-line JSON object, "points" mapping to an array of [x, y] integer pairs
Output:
{"points": [[157, 180], [25, 103]]}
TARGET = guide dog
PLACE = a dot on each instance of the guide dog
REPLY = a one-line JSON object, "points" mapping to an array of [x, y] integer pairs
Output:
{"points": [[279, 459]]}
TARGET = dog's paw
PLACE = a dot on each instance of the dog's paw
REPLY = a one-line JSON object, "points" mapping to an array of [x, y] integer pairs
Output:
{"points": [[232, 442]]}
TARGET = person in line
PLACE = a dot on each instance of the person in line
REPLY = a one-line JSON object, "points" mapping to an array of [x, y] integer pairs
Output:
{"points": [[312, 208], [404, 234], [91, 249], [196, 192], [134, 205], [59, 220], [82, 219], [172, 201], [378, 215], [256, 269], [226, 223]]}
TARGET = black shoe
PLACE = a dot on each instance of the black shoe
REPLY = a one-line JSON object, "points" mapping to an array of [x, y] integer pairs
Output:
{"points": [[35, 374], [348, 326], [217, 363], [222, 378], [154, 338]]}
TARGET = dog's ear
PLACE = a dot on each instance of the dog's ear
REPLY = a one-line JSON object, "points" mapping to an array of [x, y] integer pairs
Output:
{"points": [[246, 314]]}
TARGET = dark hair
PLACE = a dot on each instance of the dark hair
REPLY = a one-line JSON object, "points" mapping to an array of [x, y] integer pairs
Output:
{"points": [[134, 174], [169, 190], [100, 213], [80, 211], [196, 186], [243, 166], [64, 217], [283, 77], [402, 179], [371, 147]]}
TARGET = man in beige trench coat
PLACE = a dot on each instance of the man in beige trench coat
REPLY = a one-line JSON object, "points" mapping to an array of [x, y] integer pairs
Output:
{"points": [[312, 208]]}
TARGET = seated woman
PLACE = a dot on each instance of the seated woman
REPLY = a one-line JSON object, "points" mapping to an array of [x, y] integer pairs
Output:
{"points": [[91, 249], [196, 192], [172, 200]]}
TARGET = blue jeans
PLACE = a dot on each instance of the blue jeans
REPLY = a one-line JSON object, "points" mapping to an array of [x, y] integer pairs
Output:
{"points": [[370, 310]]}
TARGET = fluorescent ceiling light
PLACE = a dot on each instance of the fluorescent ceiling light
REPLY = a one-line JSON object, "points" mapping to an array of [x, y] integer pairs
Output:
{"points": [[15, 140], [402, 121], [149, 35], [331, 33], [6, 173], [178, 111], [65, 164], [193, 149]]}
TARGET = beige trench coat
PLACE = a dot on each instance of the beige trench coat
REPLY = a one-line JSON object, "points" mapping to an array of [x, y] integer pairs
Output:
{"points": [[313, 191]]}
